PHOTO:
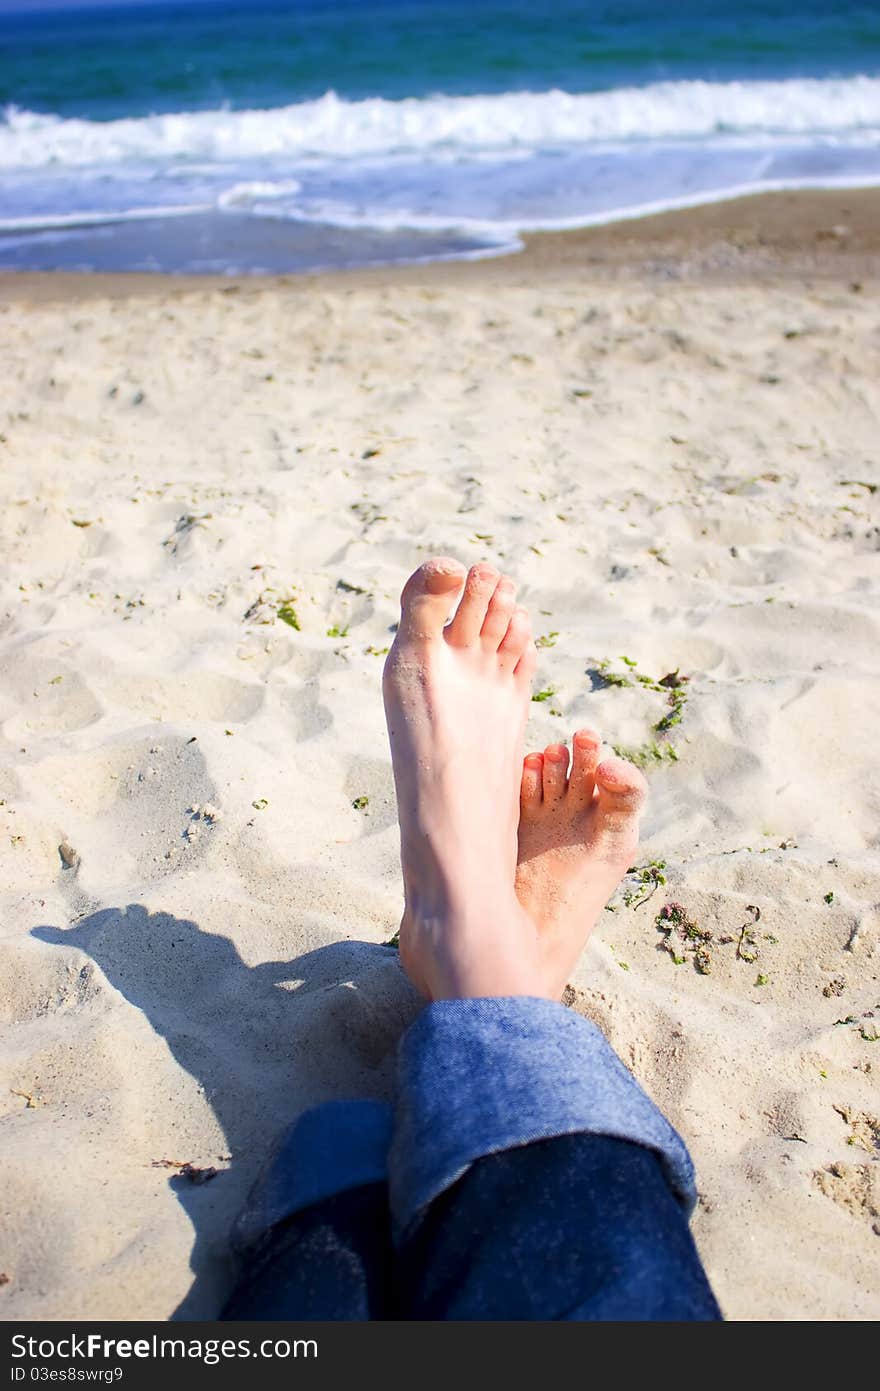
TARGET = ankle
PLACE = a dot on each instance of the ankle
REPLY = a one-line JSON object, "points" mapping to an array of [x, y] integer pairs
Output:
{"points": [[481, 947], [446, 909]]}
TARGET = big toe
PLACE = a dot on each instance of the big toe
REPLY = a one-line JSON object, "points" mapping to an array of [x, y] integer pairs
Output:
{"points": [[427, 598], [622, 791]]}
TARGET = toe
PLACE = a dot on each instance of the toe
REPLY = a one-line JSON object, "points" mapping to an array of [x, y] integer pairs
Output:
{"points": [[530, 791], [515, 641], [498, 614], [555, 769], [622, 792], [527, 664], [471, 612], [427, 598], [585, 756]]}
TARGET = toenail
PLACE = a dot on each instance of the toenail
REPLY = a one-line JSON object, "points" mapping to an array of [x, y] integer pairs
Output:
{"points": [[534, 760], [612, 780], [621, 783]]}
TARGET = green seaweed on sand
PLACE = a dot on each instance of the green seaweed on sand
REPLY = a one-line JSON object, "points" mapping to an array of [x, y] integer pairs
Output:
{"points": [[858, 483], [361, 803], [540, 696], [675, 684], [646, 755], [336, 632], [649, 877], [287, 613], [683, 937], [672, 685], [747, 945], [670, 720], [609, 677]]}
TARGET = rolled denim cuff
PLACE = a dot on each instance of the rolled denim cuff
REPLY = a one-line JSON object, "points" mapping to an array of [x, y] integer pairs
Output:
{"points": [[330, 1149], [480, 1076]]}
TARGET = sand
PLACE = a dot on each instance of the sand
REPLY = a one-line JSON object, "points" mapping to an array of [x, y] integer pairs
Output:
{"points": [[673, 448]]}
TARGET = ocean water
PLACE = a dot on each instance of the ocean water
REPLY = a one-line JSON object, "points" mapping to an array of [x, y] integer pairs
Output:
{"points": [[299, 134]]}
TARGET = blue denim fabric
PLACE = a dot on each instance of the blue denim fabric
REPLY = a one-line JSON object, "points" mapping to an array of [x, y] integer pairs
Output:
{"points": [[476, 1077], [330, 1149], [480, 1076], [580, 1228]]}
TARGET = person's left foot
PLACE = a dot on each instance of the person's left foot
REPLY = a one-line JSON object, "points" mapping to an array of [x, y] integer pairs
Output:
{"points": [[578, 835]]}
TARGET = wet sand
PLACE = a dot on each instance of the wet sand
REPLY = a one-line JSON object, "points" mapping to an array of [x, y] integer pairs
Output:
{"points": [[817, 233]]}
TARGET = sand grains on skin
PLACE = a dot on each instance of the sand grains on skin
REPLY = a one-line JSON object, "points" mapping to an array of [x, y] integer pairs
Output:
{"points": [[578, 835]]}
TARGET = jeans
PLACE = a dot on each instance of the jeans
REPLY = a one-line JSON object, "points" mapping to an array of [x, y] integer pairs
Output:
{"points": [[522, 1173]]}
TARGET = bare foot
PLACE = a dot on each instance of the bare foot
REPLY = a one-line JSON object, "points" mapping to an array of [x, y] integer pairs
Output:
{"points": [[578, 835], [456, 701]]}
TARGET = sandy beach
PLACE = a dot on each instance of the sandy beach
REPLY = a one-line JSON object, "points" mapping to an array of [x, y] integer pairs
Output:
{"points": [[667, 432]]}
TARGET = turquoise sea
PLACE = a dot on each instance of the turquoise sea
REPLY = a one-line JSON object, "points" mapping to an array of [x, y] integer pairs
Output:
{"points": [[298, 134]]}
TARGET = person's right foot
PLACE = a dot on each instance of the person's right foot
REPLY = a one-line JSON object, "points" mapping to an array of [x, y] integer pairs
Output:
{"points": [[456, 700], [578, 835]]}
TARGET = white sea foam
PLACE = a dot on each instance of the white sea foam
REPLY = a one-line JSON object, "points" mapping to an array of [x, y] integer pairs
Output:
{"points": [[245, 195], [91, 218], [481, 169], [332, 127], [503, 234]]}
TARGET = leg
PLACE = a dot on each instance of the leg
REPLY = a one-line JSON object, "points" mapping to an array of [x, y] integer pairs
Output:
{"points": [[331, 1261], [584, 1227], [314, 1237], [520, 1140]]}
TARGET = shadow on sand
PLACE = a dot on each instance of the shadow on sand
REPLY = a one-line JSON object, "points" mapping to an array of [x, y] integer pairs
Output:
{"points": [[265, 1042]]}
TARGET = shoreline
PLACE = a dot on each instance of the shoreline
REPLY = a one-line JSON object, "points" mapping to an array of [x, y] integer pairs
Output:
{"points": [[821, 233]]}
